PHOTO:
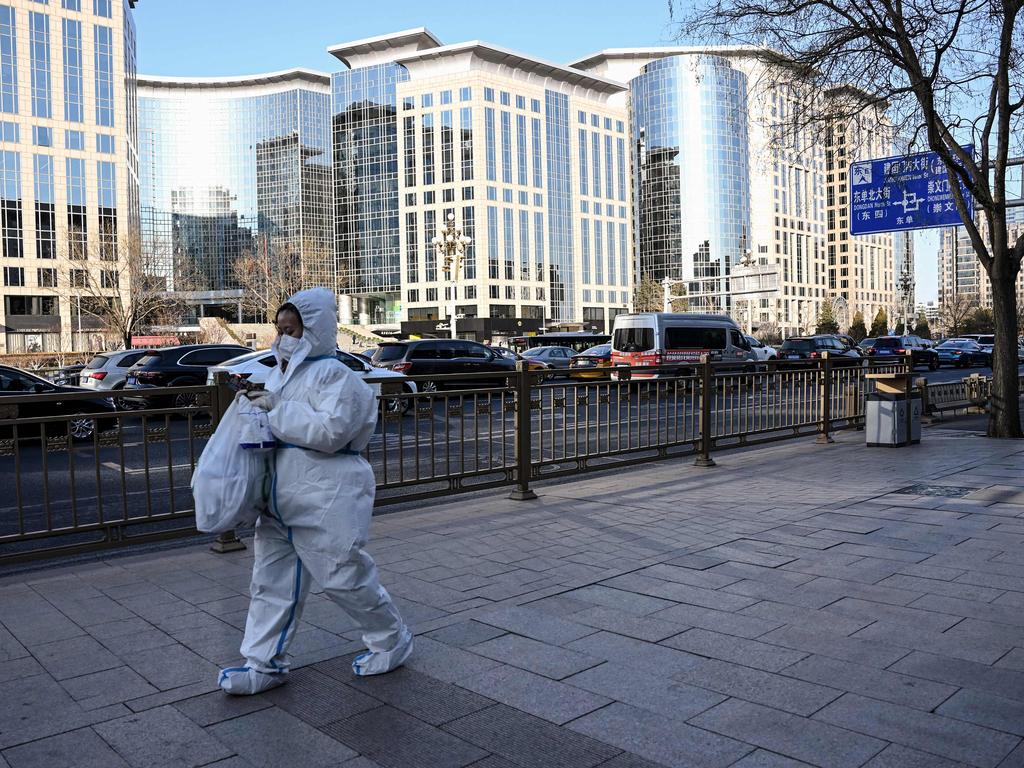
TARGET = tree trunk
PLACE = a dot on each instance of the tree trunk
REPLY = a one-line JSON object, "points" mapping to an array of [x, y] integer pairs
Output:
{"points": [[1004, 416]]}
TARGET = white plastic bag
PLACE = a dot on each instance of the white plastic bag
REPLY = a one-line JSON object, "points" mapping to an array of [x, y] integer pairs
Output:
{"points": [[230, 485], [254, 432]]}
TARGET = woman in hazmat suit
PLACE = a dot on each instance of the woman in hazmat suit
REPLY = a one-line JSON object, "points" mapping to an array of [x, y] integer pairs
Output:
{"points": [[320, 505]]}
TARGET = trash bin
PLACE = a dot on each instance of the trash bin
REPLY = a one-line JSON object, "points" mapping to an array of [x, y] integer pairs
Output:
{"points": [[885, 419]]}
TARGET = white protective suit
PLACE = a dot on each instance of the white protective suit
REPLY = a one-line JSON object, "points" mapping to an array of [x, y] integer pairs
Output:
{"points": [[319, 514]]}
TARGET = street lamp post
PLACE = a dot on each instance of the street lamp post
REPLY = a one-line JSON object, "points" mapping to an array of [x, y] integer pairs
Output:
{"points": [[906, 285], [451, 246]]}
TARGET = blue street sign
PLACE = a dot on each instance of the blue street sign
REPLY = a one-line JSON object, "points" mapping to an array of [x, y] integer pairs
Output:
{"points": [[893, 194]]}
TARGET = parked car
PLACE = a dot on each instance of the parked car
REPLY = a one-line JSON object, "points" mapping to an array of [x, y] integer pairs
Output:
{"points": [[554, 357], [435, 357], [68, 375], [963, 353], [255, 367], [760, 351], [667, 338], [88, 416], [109, 370], [846, 340], [593, 363], [899, 346], [531, 364], [183, 366], [813, 347], [866, 344]]}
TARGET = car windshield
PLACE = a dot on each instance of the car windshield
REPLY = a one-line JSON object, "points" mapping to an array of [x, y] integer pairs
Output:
{"points": [[97, 362], [385, 353], [962, 344], [601, 350], [868, 342], [245, 358], [536, 352], [634, 339], [150, 357], [798, 345]]}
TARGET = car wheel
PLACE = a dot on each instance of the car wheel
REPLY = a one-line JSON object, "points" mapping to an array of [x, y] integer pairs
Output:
{"points": [[429, 387], [185, 400], [397, 404], [81, 427]]}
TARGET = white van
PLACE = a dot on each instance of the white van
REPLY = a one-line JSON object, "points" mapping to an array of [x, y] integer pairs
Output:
{"points": [[666, 338]]}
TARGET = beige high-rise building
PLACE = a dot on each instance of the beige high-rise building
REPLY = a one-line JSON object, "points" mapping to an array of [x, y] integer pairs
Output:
{"points": [[754, 188], [531, 157], [960, 271], [69, 189]]}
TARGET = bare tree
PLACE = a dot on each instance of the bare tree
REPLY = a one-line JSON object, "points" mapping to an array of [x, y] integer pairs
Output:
{"points": [[946, 73], [647, 296], [954, 313], [120, 292], [274, 270]]}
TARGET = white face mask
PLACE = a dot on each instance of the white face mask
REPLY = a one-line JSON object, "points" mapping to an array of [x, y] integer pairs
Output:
{"points": [[287, 346]]}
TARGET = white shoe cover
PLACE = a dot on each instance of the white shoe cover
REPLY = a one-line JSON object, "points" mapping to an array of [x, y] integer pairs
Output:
{"points": [[245, 681], [378, 663]]}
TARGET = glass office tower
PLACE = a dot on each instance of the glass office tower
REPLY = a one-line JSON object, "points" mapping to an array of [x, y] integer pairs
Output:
{"points": [[68, 166], [691, 171], [233, 166]]}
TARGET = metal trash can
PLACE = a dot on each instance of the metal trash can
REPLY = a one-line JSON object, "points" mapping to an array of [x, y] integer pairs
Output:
{"points": [[885, 419]]}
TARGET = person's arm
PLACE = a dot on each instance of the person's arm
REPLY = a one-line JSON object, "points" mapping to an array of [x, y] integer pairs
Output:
{"points": [[344, 415]]}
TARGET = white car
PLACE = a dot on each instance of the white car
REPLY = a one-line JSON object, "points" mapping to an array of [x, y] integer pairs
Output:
{"points": [[760, 351], [255, 367]]}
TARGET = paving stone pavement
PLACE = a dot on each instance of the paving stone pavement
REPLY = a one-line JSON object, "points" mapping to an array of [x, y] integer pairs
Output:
{"points": [[793, 606]]}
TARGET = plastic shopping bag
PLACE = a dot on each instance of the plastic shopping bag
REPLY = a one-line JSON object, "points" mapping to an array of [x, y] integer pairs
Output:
{"points": [[254, 431], [230, 485]]}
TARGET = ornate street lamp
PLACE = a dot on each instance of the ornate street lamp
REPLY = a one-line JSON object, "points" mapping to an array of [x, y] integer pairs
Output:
{"points": [[451, 246], [906, 286]]}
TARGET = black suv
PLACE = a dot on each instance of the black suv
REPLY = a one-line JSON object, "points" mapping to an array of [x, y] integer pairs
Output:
{"points": [[81, 422], [812, 347], [184, 366], [428, 357], [898, 346]]}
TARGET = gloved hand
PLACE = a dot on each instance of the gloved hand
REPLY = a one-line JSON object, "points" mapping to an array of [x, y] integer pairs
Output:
{"points": [[262, 399]]}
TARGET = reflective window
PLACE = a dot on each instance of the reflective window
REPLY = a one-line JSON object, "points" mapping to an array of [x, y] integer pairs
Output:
{"points": [[492, 243], [42, 136], [8, 61], [412, 249], [71, 5], [102, 8], [9, 132], [609, 169], [106, 188], [524, 245], [595, 147], [623, 256], [469, 230], [505, 100], [447, 148], [409, 140], [429, 252], [74, 90], [510, 243], [11, 228], [489, 144], [535, 105], [427, 141], [78, 231], [39, 59], [611, 253], [465, 94], [409, 102], [488, 94], [620, 162], [426, 100], [583, 160], [104, 62], [105, 144], [538, 172], [74, 139], [585, 242], [466, 138], [520, 102], [446, 97], [506, 147], [598, 253], [538, 244], [523, 176]]}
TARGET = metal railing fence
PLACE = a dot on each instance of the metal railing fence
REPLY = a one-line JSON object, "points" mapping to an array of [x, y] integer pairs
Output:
{"points": [[96, 477]]}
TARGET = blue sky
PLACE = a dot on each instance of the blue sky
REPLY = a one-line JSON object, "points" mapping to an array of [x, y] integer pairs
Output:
{"points": [[237, 37]]}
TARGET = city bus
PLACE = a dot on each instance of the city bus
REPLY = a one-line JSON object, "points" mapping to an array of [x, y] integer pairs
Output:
{"points": [[578, 341]]}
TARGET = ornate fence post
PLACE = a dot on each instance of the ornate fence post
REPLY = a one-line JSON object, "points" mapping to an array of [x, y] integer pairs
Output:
{"points": [[825, 368], [706, 395], [524, 445]]}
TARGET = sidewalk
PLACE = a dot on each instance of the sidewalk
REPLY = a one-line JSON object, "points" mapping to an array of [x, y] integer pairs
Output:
{"points": [[795, 605]]}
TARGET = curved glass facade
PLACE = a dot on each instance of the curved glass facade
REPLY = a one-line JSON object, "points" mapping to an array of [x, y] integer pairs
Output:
{"points": [[236, 168], [691, 168]]}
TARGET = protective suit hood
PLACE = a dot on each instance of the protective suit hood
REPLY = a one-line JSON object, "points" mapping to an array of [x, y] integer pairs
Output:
{"points": [[319, 312]]}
